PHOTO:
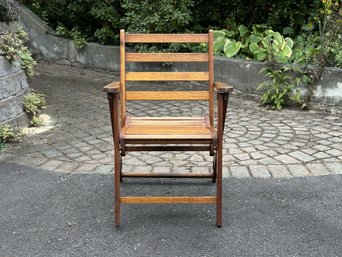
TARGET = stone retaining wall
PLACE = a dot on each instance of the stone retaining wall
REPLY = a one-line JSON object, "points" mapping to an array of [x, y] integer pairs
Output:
{"points": [[13, 86], [242, 74]]}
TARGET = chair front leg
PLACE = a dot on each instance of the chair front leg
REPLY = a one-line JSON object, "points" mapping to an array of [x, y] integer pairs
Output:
{"points": [[114, 115], [222, 101]]}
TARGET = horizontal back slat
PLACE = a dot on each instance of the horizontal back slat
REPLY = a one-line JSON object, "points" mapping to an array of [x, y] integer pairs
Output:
{"points": [[167, 57], [167, 76], [167, 95], [166, 38]]}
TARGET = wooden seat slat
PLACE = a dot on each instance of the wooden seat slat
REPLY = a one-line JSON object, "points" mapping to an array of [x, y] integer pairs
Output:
{"points": [[175, 128]]}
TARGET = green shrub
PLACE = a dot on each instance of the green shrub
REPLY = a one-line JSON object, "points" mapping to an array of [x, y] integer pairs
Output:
{"points": [[86, 20], [157, 16], [255, 44], [7, 135], [33, 102], [101, 20], [280, 15], [36, 121], [74, 34], [282, 85]]}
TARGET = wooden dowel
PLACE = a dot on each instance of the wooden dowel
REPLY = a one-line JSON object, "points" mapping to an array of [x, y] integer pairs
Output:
{"points": [[168, 199]]}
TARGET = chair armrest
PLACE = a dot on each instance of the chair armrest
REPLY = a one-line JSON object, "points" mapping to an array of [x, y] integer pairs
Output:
{"points": [[113, 87], [222, 88]]}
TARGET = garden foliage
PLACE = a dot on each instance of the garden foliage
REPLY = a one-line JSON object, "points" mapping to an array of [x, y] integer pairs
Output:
{"points": [[100, 20]]}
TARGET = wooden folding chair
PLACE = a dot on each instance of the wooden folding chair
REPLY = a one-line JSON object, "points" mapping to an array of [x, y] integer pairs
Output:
{"points": [[132, 133]]}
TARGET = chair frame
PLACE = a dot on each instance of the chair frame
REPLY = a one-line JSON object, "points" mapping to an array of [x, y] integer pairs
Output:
{"points": [[117, 95]]}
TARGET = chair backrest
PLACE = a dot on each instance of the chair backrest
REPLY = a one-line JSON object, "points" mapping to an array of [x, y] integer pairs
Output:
{"points": [[207, 75]]}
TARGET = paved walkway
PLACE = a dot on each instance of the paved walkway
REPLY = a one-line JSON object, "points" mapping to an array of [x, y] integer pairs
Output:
{"points": [[258, 143]]}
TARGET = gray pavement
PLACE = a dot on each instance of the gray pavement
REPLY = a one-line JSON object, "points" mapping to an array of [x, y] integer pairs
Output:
{"points": [[258, 143], [44, 213]]}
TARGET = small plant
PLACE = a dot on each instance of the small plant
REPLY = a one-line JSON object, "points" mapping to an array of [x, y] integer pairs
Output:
{"points": [[36, 121], [7, 135], [13, 48], [33, 102], [283, 85], [74, 34]]}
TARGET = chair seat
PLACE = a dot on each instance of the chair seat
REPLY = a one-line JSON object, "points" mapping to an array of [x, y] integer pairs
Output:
{"points": [[154, 130]]}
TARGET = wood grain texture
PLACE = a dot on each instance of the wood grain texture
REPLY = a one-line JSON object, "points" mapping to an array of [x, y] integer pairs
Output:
{"points": [[175, 129], [122, 77], [167, 76], [166, 57], [113, 87], [165, 175], [211, 76], [167, 95], [223, 88], [166, 148], [168, 199], [166, 38]]}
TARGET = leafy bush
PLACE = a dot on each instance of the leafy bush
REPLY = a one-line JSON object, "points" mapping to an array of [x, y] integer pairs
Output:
{"points": [[77, 37], [33, 102], [9, 10], [255, 44], [101, 20], [157, 16], [7, 135], [86, 20], [321, 38], [282, 86], [287, 15], [36, 121], [13, 48]]}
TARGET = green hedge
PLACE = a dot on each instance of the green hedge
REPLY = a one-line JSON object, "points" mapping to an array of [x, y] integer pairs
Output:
{"points": [[100, 20]]}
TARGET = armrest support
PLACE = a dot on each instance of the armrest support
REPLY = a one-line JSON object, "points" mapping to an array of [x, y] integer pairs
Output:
{"points": [[223, 91], [113, 87], [222, 88]]}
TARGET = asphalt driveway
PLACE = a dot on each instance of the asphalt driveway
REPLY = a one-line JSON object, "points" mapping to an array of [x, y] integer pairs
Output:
{"points": [[43, 213]]}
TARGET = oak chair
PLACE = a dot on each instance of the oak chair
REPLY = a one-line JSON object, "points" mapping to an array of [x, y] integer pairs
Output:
{"points": [[132, 133]]}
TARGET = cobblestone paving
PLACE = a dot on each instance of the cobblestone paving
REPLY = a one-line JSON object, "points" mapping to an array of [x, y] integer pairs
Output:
{"points": [[257, 143]]}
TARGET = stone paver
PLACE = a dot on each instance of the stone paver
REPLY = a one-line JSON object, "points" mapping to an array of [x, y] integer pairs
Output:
{"points": [[279, 171], [257, 142], [259, 171], [239, 172], [317, 169], [298, 170], [335, 168]]}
